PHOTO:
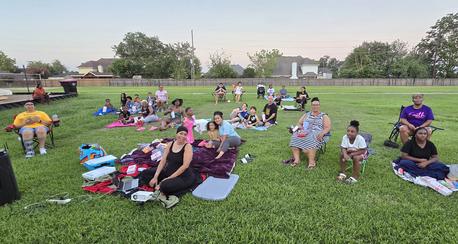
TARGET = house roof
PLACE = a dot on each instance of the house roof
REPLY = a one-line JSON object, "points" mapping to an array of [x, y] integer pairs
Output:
{"points": [[238, 69], [105, 62], [283, 67], [97, 75]]}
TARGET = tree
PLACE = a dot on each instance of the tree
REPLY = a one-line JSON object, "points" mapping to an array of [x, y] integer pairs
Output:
{"points": [[6, 63], [149, 57], [264, 62], [220, 66], [249, 73], [410, 66], [332, 64], [440, 47], [125, 68], [373, 60], [57, 68], [38, 67]]}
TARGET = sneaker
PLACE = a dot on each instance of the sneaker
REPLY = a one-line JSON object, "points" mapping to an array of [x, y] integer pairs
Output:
{"points": [[155, 195], [29, 154], [351, 180], [168, 201], [43, 151]]}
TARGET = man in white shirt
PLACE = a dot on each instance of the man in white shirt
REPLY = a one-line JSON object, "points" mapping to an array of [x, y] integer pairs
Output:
{"points": [[161, 98]]}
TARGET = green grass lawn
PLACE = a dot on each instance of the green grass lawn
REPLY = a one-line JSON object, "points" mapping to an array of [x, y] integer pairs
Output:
{"points": [[270, 203]]}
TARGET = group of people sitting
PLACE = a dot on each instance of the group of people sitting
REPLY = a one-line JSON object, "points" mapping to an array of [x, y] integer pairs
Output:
{"points": [[242, 117], [418, 156]]}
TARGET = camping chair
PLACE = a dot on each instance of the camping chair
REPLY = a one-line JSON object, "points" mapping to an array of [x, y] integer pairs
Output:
{"points": [[323, 148], [368, 139], [50, 135], [261, 92], [392, 139], [220, 98]]}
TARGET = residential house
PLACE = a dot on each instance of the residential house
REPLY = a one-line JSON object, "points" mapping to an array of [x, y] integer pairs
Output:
{"points": [[295, 67], [95, 69], [238, 69], [324, 73]]}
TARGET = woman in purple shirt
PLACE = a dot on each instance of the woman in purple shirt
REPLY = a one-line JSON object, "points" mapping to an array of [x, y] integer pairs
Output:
{"points": [[415, 116]]}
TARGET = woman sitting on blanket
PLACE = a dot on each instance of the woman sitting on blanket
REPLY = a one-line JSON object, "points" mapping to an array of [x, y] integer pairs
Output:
{"points": [[354, 148], [301, 97], [173, 176], [239, 115], [227, 135], [176, 115], [147, 113], [419, 157], [252, 120], [313, 126]]}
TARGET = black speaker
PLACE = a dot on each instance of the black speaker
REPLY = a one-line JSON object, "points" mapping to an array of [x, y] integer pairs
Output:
{"points": [[9, 191]]}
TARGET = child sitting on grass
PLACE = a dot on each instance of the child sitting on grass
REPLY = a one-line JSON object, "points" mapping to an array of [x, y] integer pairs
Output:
{"points": [[189, 122], [353, 148], [213, 134], [124, 115], [252, 120]]}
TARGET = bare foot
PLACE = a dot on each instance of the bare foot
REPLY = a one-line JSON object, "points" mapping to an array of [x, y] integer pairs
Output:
{"points": [[219, 155]]}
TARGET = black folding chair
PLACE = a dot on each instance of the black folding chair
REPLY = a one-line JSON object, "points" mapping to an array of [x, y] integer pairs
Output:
{"points": [[394, 135]]}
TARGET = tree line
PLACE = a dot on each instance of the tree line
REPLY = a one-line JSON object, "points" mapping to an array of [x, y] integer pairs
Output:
{"points": [[435, 56]]}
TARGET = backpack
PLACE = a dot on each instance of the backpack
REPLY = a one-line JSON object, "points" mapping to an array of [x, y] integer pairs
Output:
{"points": [[91, 151]]}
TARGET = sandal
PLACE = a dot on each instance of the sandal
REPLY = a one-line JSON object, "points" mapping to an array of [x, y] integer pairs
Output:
{"points": [[311, 166], [294, 164], [341, 177], [288, 161]]}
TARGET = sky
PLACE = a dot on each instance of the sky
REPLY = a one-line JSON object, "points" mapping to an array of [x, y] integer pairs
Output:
{"points": [[78, 31]]}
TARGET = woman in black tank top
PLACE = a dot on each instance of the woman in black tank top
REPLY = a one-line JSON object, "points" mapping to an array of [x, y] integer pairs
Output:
{"points": [[173, 175]]}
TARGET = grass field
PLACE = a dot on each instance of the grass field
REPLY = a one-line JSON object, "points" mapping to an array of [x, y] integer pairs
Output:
{"points": [[270, 203]]}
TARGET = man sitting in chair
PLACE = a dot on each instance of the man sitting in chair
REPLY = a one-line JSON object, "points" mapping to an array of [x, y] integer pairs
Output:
{"points": [[31, 123], [219, 93], [415, 116]]}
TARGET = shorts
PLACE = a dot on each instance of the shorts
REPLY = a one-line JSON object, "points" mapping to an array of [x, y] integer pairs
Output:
{"points": [[34, 130]]}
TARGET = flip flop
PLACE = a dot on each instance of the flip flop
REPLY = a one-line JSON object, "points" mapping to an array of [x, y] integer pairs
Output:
{"points": [[287, 161]]}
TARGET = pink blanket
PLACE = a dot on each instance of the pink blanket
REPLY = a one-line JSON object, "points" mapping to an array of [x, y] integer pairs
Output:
{"points": [[118, 124]]}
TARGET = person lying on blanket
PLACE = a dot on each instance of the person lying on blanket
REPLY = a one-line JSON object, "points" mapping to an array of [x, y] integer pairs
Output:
{"points": [[227, 135], [173, 174], [354, 148], [124, 115], [313, 126], [419, 156], [415, 116], [252, 120]]}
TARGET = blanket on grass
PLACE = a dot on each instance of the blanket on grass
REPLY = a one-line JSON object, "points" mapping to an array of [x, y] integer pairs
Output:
{"points": [[118, 124], [445, 187], [104, 111]]}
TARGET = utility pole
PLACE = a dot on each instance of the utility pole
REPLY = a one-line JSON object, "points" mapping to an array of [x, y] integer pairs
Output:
{"points": [[192, 58], [26, 80]]}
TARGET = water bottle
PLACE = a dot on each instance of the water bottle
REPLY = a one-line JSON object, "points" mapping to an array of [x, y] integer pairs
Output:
{"points": [[306, 125], [172, 114]]}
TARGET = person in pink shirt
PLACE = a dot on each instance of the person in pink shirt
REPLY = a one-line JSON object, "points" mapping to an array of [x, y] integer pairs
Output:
{"points": [[189, 122]]}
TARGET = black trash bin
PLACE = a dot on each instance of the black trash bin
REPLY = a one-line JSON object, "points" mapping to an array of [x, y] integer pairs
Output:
{"points": [[9, 191], [69, 86]]}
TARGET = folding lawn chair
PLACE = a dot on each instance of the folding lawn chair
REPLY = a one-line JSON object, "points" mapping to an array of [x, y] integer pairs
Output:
{"points": [[50, 135], [322, 149], [392, 139], [368, 139]]}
